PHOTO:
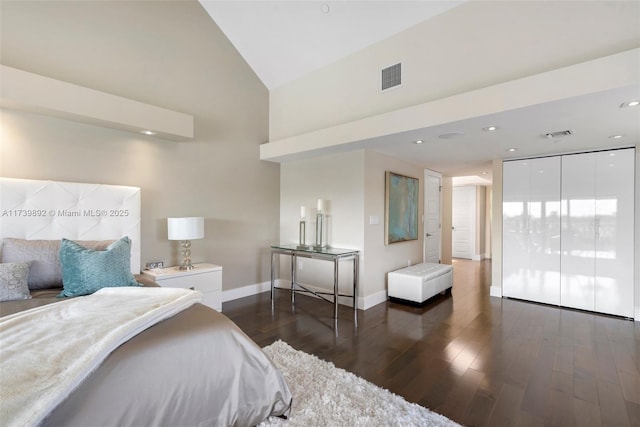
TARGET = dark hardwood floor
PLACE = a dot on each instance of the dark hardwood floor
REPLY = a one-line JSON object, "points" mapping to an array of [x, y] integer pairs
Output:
{"points": [[480, 361]]}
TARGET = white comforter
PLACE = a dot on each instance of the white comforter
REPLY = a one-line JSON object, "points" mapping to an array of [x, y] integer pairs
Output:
{"points": [[47, 351]]}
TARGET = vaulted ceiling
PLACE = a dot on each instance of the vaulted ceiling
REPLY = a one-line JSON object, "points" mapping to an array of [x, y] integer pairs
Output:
{"points": [[284, 40]]}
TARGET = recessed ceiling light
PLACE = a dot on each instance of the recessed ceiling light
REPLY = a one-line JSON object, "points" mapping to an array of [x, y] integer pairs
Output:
{"points": [[418, 141], [148, 132], [633, 103], [325, 8], [484, 173], [451, 135], [511, 150], [616, 136], [490, 128]]}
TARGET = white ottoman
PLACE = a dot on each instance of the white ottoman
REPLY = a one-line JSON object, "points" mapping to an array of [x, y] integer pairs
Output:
{"points": [[420, 282]]}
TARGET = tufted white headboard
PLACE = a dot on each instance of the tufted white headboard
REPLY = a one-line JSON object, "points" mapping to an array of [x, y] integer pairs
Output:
{"points": [[51, 210]]}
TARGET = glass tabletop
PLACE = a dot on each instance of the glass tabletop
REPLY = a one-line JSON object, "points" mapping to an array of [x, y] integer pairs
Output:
{"points": [[312, 250]]}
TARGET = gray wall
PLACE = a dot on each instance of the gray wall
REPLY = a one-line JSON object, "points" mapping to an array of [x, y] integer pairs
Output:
{"points": [[381, 258], [165, 53]]}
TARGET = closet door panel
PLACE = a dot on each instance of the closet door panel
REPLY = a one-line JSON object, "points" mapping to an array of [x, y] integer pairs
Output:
{"points": [[614, 222], [544, 230], [515, 243], [578, 206]]}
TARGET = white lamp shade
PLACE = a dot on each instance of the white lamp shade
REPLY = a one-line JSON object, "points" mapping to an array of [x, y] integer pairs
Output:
{"points": [[190, 228]]}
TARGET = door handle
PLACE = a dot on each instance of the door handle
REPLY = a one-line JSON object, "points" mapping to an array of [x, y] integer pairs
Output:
{"points": [[429, 234]]}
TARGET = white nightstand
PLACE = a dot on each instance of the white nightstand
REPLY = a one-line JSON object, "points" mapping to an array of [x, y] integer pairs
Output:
{"points": [[206, 278]]}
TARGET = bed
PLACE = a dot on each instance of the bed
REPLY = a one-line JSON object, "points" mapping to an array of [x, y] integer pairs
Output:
{"points": [[191, 366]]}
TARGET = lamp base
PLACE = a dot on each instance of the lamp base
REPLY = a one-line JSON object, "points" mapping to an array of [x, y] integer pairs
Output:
{"points": [[186, 256]]}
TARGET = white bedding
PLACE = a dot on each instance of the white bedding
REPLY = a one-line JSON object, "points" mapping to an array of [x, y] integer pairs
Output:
{"points": [[47, 351]]}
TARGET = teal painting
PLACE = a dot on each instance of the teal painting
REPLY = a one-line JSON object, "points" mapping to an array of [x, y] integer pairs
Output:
{"points": [[401, 208]]}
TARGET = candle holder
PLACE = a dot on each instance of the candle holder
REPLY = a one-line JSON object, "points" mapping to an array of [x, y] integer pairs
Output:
{"points": [[302, 230], [319, 220]]}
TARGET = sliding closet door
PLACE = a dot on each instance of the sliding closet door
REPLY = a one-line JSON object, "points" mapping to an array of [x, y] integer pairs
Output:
{"points": [[544, 230], [578, 231], [531, 229], [515, 242], [568, 231], [614, 231]]}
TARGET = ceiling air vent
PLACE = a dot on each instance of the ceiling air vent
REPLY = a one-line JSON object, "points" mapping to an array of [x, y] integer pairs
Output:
{"points": [[392, 76], [560, 134]]}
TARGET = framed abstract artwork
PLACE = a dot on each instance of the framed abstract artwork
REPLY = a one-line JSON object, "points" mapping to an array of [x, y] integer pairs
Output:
{"points": [[401, 208]]}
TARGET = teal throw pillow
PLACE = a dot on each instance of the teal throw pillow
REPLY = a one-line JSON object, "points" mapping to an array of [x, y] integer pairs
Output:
{"points": [[84, 270]]}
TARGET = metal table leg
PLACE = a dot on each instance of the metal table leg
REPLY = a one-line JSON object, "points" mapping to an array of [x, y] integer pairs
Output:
{"points": [[273, 272], [293, 278], [335, 288], [355, 289]]}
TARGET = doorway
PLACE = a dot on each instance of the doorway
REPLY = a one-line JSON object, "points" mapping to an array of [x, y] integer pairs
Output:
{"points": [[463, 222], [432, 216]]}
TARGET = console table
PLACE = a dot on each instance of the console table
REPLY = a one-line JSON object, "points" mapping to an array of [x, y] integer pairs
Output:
{"points": [[329, 254]]}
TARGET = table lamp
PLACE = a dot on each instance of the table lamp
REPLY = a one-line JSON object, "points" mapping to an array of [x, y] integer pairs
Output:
{"points": [[185, 230]]}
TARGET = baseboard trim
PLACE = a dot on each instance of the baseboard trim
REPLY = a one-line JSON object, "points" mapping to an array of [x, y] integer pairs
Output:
{"points": [[372, 300], [495, 291], [364, 303], [246, 291]]}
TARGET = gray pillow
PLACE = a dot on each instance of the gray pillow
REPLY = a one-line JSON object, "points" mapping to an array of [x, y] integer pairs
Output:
{"points": [[44, 257], [13, 281]]}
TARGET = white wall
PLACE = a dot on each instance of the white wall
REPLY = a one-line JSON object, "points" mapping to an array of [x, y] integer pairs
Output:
{"points": [[475, 45]]}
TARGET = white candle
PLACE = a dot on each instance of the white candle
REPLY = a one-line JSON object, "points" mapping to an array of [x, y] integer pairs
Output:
{"points": [[319, 205], [303, 214]]}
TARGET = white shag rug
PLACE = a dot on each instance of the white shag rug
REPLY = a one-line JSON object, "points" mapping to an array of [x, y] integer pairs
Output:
{"points": [[324, 395]]}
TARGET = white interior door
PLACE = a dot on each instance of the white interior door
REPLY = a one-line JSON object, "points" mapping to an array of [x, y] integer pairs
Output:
{"points": [[544, 230], [577, 264], [576, 250], [463, 221], [515, 225], [432, 217], [614, 224]]}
